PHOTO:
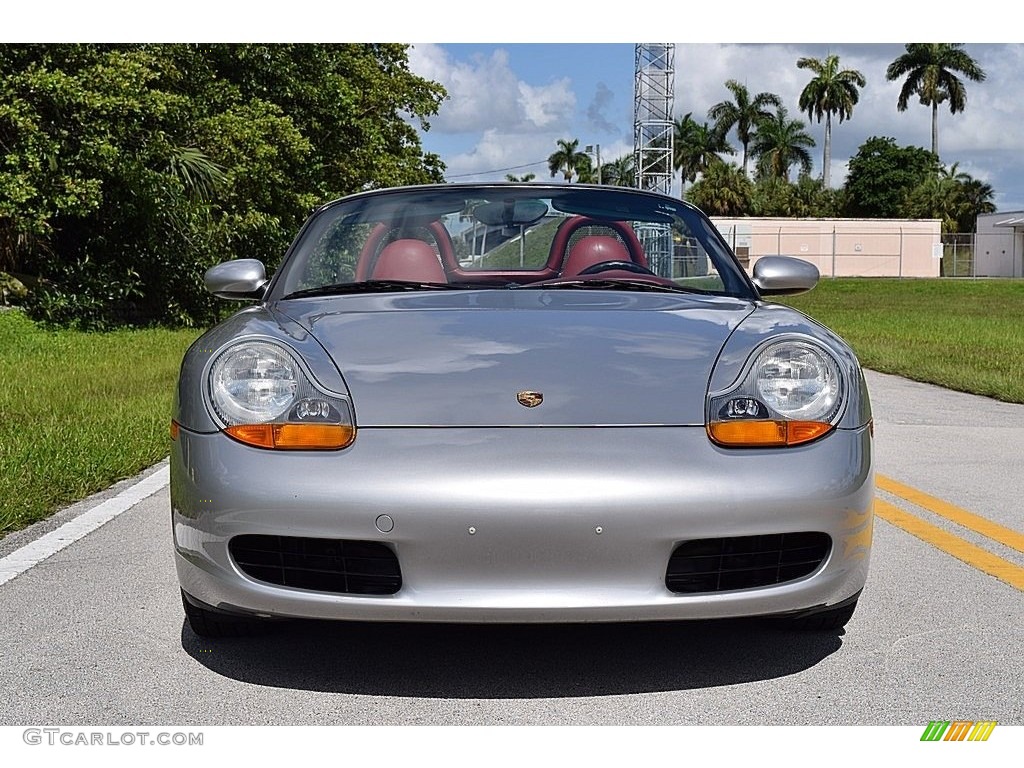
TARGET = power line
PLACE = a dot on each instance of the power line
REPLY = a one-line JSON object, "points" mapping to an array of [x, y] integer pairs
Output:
{"points": [[497, 170]]}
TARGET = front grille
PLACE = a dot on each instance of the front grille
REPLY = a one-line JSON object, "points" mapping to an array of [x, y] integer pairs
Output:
{"points": [[743, 562], [343, 566]]}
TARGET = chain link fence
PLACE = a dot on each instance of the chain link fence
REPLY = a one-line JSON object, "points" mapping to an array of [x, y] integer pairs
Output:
{"points": [[983, 254], [958, 255]]}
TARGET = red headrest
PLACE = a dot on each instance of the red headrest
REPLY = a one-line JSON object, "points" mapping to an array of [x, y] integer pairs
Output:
{"points": [[592, 250], [411, 260]]}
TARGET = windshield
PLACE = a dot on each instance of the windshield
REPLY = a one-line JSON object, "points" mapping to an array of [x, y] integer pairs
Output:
{"points": [[508, 236]]}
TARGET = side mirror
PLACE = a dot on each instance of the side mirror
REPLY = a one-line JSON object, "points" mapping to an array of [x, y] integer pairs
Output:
{"points": [[784, 275], [239, 279]]}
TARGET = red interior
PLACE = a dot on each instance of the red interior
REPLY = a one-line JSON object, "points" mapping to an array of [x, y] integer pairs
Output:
{"points": [[410, 259]]}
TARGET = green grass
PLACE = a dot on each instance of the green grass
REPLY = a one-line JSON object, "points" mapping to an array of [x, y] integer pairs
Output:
{"points": [[536, 248], [79, 411], [962, 334]]}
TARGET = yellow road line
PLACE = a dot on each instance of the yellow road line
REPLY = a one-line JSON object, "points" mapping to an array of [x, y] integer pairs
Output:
{"points": [[974, 556], [976, 523]]}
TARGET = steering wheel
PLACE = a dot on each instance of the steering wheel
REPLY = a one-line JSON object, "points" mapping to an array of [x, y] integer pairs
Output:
{"points": [[605, 266]]}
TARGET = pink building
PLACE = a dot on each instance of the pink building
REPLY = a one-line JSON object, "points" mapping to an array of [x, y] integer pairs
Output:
{"points": [[841, 247]]}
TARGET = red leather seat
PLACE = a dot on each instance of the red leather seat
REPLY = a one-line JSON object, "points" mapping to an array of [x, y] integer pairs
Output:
{"points": [[411, 260], [591, 250]]}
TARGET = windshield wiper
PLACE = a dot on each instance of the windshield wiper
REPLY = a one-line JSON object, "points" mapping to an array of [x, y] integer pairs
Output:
{"points": [[616, 285], [370, 286]]}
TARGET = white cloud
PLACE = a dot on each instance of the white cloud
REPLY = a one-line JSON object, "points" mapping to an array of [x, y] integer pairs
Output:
{"points": [[485, 94], [500, 152], [547, 106]]}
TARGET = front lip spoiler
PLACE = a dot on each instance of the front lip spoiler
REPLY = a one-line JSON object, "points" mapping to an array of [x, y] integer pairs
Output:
{"points": [[228, 610], [814, 610], [234, 611]]}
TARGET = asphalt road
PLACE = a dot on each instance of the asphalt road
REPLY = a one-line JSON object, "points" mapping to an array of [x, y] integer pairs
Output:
{"points": [[95, 635]]}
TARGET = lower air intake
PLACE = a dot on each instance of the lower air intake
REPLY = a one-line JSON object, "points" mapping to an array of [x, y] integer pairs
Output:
{"points": [[342, 566], [745, 562]]}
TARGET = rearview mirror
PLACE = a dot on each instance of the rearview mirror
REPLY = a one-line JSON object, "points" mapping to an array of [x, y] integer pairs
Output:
{"points": [[784, 275], [511, 213], [238, 279]]}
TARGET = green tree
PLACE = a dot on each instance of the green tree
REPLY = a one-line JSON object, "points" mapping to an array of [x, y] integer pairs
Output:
{"points": [[724, 190], [524, 177], [696, 147], [781, 143], [619, 172], [586, 171], [930, 71], [832, 91], [813, 199], [743, 112], [953, 196], [773, 196], [567, 159], [934, 198], [978, 198], [129, 169], [882, 174]]}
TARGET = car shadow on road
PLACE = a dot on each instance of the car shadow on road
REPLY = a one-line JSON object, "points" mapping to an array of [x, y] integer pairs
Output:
{"points": [[511, 661]]}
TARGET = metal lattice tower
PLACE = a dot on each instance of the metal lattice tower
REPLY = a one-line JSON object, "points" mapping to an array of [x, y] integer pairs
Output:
{"points": [[653, 134], [653, 92]]}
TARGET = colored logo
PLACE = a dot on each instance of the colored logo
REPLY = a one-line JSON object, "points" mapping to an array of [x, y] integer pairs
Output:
{"points": [[958, 730], [530, 399]]}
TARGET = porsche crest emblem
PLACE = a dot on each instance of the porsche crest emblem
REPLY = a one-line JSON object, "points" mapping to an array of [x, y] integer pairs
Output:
{"points": [[530, 399]]}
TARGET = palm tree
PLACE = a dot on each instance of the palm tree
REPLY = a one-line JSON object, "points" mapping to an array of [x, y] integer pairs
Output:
{"points": [[773, 196], [724, 190], [586, 173], [524, 177], [743, 112], [977, 199], [696, 147], [832, 91], [566, 160], [938, 197], [953, 196], [970, 196], [619, 172], [781, 143], [930, 70], [953, 173]]}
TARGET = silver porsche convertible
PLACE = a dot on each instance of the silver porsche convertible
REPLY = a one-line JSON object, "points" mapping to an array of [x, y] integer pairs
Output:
{"points": [[518, 403]]}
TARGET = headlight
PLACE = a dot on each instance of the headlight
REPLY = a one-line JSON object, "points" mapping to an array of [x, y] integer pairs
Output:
{"points": [[798, 381], [263, 397], [792, 393], [252, 383]]}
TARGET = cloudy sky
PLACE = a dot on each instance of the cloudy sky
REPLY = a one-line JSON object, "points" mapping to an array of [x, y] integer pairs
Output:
{"points": [[509, 103]]}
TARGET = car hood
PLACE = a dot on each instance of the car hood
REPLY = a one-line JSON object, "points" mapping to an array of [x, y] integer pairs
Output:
{"points": [[462, 358]]}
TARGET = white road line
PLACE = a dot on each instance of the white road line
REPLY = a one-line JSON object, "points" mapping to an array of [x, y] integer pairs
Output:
{"points": [[20, 560]]}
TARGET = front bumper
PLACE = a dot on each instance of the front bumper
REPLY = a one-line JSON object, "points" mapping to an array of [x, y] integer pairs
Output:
{"points": [[522, 524]]}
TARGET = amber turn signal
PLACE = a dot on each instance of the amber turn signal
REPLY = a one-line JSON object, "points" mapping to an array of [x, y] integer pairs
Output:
{"points": [[765, 433], [296, 437], [175, 429]]}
